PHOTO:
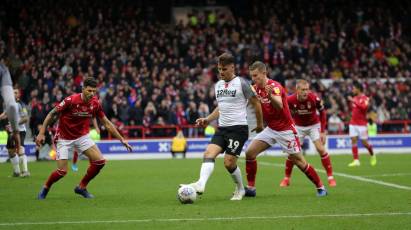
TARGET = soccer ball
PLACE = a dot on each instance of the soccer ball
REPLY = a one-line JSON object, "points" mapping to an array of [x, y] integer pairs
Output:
{"points": [[186, 194]]}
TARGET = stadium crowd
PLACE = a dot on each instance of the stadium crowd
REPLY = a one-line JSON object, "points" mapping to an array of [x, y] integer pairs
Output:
{"points": [[151, 72]]}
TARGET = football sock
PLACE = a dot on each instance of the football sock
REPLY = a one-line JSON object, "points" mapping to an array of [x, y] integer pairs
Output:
{"points": [[23, 162], [251, 170], [288, 167], [207, 168], [354, 149], [325, 160], [92, 171], [236, 175], [54, 177], [15, 163], [313, 176], [75, 157]]}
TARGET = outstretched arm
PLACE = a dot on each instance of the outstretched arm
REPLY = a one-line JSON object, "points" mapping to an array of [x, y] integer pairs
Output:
{"points": [[51, 117], [113, 131], [204, 121]]}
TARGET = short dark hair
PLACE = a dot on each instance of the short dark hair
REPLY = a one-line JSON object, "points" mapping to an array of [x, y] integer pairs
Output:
{"points": [[226, 59], [358, 86], [89, 81], [260, 66]]}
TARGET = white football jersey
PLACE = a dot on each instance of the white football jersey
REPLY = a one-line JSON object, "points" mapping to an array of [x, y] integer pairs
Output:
{"points": [[232, 98]]}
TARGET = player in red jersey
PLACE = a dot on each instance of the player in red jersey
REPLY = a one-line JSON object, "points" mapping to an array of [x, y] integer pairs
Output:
{"points": [[304, 105], [358, 124], [280, 129], [74, 114]]}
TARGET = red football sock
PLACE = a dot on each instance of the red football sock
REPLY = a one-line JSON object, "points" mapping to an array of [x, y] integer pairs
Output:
{"points": [[369, 148], [325, 160], [313, 176], [54, 177], [251, 170], [354, 149], [92, 171], [75, 157], [288, 167]]}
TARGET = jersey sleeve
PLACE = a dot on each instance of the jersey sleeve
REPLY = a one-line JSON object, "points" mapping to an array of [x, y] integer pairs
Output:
{"points": [[63, 105], [247, 90], [277, 89]]}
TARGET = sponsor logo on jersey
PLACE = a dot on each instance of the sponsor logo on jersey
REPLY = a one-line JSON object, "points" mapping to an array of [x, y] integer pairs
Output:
{"points": [[226, 93]]}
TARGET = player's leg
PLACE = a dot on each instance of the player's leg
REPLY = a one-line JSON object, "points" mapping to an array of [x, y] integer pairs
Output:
{"points": [[74, 166], [23, 157], [87, 146], [256, 147], [14, 160], [310, 172], [207, 167], [235, 140], [368, 146], [291, 145], [63, 149], [288, 169], [354, 146], [325, 157]]}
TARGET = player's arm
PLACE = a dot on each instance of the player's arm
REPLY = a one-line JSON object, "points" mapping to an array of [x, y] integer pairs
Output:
{"points": [[95, 124], [323, 118], [113, 131], [258, 114], [51, 117], [204, 121]]}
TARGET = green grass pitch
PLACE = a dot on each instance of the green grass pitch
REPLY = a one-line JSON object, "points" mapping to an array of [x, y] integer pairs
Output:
{"points": [[141, 194]]}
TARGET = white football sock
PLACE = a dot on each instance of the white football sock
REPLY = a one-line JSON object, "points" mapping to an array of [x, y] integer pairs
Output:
{"points": [[23, 162], [15, 163], [207, 169], [238, 180]]}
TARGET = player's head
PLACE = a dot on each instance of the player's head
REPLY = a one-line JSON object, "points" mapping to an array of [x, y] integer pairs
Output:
{"points": [[17, 94], [225, 66], [357, 88], [89, 88], [303, 88], [258, 73]]}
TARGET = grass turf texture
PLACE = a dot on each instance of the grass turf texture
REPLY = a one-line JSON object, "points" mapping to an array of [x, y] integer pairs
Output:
{"points": [[141, 194]]}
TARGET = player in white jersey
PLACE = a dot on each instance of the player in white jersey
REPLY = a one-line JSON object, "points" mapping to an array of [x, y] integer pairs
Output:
{"points": [[18, 157], [232, 94]]}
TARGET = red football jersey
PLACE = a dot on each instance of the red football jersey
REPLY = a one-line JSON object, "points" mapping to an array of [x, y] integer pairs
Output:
{"points": [[305, 113], [359, 107], [75, 115], [278, 120]]}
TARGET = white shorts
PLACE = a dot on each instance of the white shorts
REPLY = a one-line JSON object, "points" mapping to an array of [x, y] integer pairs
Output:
{"points": [[287, 139], [66, 147], [312, 131], [358, 131]]}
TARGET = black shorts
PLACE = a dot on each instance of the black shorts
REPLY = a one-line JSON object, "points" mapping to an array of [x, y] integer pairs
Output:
{"points": [[231, 138], [10, 140]]}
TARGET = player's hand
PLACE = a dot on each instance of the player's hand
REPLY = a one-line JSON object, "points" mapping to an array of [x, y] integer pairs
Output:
{"points": [[40, 139], [202, 122], [127, 145], [257, 129], [323, 137]]}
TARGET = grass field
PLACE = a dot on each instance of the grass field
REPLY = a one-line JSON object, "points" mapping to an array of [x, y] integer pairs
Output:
{"points": [[141, 194]]}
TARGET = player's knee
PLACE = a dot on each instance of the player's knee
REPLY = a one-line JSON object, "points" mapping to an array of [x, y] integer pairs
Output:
{"points": [[99, 163], [62, 171], [230, 163], [250, 154]]}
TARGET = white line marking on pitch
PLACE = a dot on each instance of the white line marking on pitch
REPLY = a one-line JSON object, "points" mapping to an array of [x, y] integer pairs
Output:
{"points": [[388, 175], [344, 215], [351, 177]]}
